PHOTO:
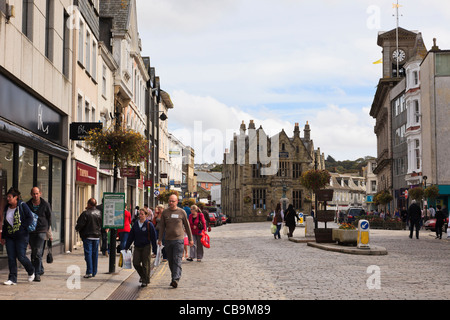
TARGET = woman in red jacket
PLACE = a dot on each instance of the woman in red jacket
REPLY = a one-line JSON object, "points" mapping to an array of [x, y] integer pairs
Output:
{"points": [[198, 225], [123, 233]]}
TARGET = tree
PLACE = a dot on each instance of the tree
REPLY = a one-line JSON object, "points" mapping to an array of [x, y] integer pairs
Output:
{"points": [[416, 193], [431, 192], [315, 180], [383, 197]]}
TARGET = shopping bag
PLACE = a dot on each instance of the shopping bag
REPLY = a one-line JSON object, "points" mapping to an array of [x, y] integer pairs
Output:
{"points": [[158, 255], [205, 240], [273, 228], [126, 259], [120, 260]]}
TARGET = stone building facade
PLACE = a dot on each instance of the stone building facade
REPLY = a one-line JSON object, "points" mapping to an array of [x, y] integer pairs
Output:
{"points": [[252, 186]]}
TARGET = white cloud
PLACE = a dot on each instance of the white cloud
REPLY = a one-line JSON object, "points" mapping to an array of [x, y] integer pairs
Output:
{"points": [[277, 63], [208, 125]]}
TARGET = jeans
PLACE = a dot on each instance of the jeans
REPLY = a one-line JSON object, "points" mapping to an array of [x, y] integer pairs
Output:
{"points": [[16, 250], [37, 250], [277, 232], [91, 255], [175, 250], [123, 238]]}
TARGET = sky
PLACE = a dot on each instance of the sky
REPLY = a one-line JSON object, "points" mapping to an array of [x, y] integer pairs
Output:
{"points": [[277, 63]]}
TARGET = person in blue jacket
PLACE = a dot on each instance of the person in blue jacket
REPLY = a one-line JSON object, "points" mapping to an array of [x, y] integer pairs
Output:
{"points": [[17, 218], [143, 234]]}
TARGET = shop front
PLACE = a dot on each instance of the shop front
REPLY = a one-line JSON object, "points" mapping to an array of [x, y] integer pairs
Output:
{"points": [[33, 151]]}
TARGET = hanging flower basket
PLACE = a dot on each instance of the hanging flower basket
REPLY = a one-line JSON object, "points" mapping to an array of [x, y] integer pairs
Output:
{"points": [[129, 147]]}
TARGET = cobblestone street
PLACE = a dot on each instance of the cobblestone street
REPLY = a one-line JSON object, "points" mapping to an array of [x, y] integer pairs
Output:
{"points": [[245, 262]]}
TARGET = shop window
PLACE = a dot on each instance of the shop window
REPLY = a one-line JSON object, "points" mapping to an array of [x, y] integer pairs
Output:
{"points": [[57, 196], [6, 178], [26, 167], [43, 168]]}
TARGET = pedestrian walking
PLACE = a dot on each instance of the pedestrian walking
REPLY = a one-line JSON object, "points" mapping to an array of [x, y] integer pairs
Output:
{"points": [[440, 220], [414, 217], [278, 220], [206, 216], [124, 233], [143, 235], [89, 225], [15, 236], [198, 226], [173, 219], [291, 218], [156, 222], [38, 237]]}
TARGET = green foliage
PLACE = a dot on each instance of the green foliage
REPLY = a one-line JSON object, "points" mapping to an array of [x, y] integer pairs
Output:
{"points": [[164, 196], [346, 166], [383, 197], [416, 193], [315, 179], [431, 192]]}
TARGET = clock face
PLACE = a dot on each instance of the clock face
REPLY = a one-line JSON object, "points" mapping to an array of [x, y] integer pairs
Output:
{"points": [[399, 55]]}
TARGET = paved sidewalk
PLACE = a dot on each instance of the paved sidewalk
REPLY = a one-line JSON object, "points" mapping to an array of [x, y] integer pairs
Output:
{"points": [[63, 280]]}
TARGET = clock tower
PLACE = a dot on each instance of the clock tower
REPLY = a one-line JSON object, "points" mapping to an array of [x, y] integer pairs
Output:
{"points": [[407, 41]]}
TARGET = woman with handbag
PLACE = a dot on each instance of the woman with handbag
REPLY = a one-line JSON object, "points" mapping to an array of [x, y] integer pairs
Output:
{"points": [[198, 225]]}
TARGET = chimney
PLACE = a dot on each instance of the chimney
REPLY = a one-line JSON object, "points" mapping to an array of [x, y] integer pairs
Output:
{"points": [[307, 132], [251, 125], [243, 126], [435, 46], [296, 130]]}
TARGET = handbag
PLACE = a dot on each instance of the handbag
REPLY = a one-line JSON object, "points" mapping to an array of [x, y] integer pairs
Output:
{"points": [[49, 252], [200, 224]]}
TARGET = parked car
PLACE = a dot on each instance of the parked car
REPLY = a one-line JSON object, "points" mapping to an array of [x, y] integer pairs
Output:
{"points": [[352, 213], [431, 224], [224, 218], [212, 220]]}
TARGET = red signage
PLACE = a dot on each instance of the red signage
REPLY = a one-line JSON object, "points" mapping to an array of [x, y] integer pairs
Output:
{"points": [[86, 174]]}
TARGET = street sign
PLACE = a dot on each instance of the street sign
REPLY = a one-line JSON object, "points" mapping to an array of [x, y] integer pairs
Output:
{"points": [[363, 234], [113, 210], [156, 193], [131, 172], [406, 194]]}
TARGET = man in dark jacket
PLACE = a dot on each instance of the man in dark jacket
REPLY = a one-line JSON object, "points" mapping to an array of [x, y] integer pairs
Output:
{"points": [[37, 238], [415, 217], [440, 221], [89, 225]]}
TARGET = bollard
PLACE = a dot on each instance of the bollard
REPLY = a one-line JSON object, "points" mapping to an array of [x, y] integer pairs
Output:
{"points": [[363, 234]]}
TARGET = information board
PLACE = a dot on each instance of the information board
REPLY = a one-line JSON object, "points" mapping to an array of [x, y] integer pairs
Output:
{"points": [[113, 210]]}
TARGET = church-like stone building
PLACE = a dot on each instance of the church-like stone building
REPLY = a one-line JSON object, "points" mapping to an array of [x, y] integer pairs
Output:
{"points": [[260, 171]]}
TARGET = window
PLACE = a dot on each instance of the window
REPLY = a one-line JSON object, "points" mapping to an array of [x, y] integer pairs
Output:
{"points": [[80, 109], [373, 186], [66, 46], [87, 111], [296, 170], [26, 164], [256, 170], [81, 43], [104, 82], [43, 169], [259, 198], [88, 52], [56, 199], [443, 64], [49, 25], [417, 153], [415, 78], [416, 111], [283, 171], [297, 199], [94, 60], [27, 18]]}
